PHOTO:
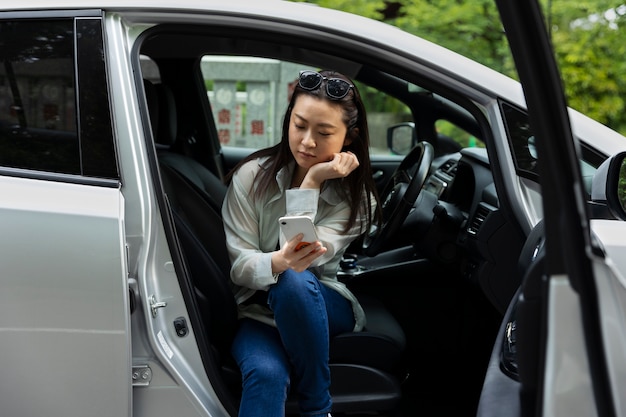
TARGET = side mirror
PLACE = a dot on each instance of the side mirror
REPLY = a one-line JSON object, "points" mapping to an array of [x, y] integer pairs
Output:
{"points": [[532, 147], [609, 185], [401, 138]]}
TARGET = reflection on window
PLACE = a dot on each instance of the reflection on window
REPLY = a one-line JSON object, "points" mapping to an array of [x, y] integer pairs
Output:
{"points": [[37, 97]]}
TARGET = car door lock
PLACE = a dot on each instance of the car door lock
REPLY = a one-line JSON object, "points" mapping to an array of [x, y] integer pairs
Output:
{"points": [[155, 305]]}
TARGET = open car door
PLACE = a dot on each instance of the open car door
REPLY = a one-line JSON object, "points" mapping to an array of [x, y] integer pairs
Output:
{"points": [[557, 355]]}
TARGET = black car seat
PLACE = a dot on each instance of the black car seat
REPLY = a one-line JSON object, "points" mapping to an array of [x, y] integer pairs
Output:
{"points": [[364, 365]]}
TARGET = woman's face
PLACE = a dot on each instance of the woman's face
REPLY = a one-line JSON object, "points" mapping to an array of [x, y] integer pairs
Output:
{"points": [[316, 131]]}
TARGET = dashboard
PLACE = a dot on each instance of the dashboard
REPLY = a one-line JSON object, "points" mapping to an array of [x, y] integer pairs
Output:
{"points": [[464, 226]]}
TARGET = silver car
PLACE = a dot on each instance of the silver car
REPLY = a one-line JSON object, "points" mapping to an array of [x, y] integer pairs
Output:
{"points": [[118, 122]]}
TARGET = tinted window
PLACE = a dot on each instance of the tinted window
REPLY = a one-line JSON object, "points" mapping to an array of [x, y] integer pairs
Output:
{"points": [[37, 105], [521, 139], [96, 132], [524, 147], [41, 125]]}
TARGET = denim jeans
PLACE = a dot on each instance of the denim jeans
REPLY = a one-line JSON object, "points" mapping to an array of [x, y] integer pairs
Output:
{"points": [[307, 314]]}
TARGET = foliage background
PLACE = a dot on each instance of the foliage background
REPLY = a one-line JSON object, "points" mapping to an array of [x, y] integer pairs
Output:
{"points": [[587, 35]]}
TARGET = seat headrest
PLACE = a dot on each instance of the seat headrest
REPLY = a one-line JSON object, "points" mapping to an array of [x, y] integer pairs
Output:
{"points": [[168, 128], [153, 104], [163, 116]]}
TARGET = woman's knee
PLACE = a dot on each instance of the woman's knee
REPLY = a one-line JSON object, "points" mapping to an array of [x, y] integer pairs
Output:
{"points": [[295, 283]]}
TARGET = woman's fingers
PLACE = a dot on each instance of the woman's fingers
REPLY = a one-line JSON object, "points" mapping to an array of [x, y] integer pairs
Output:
{"points": [[300, 255]]}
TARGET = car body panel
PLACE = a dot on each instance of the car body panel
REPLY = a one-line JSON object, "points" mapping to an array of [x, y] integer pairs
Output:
{"points": [[612, 291], [567, 378], [176, 386], [65, 317]]}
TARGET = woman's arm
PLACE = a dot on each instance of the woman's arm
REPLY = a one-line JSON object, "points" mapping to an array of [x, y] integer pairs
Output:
{"points": [[251, 267]]}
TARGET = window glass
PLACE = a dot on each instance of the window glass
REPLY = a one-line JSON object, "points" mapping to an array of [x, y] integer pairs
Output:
{"points": [[37, 98], [383, 111], [450, 131], [96, 128], [249, 96], [521, 139], [39, 128], [524, 147]]}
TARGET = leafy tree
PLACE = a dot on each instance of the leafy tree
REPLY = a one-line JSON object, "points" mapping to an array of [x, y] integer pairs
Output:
{"points": [[588, 42], [471, 28], [589, 47]]}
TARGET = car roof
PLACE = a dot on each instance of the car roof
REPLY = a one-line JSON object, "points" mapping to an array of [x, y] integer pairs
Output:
{"points": [[432, 57], [306, 15]]}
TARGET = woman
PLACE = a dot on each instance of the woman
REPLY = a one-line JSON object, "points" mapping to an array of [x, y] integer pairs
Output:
{"points": [[290, 301]]}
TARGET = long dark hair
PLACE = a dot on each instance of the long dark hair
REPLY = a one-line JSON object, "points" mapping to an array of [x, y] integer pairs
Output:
{"points": [[358, 182]]}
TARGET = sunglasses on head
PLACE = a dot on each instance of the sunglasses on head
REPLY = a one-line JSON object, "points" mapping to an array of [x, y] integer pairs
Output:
{"points": [[336, 88]]}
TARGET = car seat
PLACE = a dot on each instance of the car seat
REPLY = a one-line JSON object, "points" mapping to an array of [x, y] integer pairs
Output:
{"points": [[364, 365]]}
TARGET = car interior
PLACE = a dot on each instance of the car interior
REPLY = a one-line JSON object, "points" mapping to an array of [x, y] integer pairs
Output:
{"points": [[435, 281]]}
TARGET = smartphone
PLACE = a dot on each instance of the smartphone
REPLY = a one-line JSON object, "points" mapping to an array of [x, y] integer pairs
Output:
{"points": [[292, 225]]}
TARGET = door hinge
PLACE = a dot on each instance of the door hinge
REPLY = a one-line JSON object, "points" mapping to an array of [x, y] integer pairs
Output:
{"points": [[141, 375]]}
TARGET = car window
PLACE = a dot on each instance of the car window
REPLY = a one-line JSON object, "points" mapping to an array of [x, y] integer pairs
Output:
{"points": [[524, 149], [39, 116], [522, 140], [249, 95], [383, 111], [448, 130]]}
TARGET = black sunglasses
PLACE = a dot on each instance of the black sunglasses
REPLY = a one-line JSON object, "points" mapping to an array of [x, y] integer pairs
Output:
{"points": [[336, 88]]}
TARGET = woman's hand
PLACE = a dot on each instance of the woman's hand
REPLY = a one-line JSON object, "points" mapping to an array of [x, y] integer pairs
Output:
{"points": [[295, 256], [340, 166]]}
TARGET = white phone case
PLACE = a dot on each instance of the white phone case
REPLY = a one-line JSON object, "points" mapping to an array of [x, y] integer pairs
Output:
{"points": [[292, 225]]}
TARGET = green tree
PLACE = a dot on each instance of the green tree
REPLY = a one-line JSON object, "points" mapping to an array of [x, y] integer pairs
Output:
{"points": [[589, 48], [589, 43], [471, 28]]}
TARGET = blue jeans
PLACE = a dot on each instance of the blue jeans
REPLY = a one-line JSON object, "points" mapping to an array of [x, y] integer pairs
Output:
{"points": [[307, 314]]}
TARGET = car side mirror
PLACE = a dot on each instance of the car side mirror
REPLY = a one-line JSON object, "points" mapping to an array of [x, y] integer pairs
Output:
{"points": [[532, 147], [401, 138], [609, 185]]}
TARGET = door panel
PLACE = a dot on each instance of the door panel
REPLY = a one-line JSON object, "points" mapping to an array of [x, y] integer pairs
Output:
{"points": [[63, 300]]}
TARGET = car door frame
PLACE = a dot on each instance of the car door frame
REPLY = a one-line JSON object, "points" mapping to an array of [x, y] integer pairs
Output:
{"points": [[569, 252]]}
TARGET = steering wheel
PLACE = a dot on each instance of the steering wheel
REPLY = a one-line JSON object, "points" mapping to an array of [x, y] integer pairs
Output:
{"points": [[399, 196]]}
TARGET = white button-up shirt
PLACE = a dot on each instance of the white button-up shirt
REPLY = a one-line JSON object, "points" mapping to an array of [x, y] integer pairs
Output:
{"points": [[252, 233]]}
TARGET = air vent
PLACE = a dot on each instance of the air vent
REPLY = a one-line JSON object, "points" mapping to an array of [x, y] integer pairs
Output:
{"points": [[479, 217]]}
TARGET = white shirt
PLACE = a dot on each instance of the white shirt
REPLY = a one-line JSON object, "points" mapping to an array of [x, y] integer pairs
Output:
{"points": [[252, 233]]}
